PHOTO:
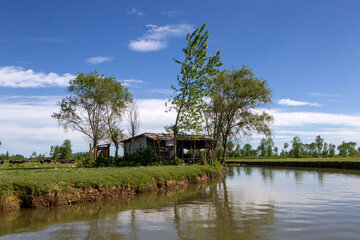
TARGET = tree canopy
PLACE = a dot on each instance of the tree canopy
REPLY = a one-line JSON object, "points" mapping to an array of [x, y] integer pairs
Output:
{"points": [[85, 110]]}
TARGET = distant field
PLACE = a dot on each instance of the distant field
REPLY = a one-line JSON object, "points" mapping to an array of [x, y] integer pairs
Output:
{"points": [[36, 164], [333, 159]]}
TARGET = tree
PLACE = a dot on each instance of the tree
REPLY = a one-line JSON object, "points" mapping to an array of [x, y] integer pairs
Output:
{"points": [[246, 151], [55, 152], [84, 110], [235, 99], [65, 150], [325, 151], [115, 107], [133, 119], [196, 71], [332, 148], [276, 151], [297, 147], [319, 145]]}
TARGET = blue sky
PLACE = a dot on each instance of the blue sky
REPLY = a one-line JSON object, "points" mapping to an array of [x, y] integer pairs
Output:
{"points": [[308, 51]]}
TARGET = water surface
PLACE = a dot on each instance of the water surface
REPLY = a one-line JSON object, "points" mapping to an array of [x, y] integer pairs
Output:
{"points": [[251, 203]]}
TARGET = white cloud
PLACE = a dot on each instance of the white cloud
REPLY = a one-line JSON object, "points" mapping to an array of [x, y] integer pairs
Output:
{"points": [[132, 82], [289, 102], [323, 94], [134, 11], [172, 13], [309, 118], [17, 77], [98, 60], [156, 37], [28, 123], [163, 91]]}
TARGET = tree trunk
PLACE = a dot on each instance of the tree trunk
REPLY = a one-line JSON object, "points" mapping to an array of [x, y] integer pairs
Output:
{"points": [[116, 149], [224, 153], [95, 149]]}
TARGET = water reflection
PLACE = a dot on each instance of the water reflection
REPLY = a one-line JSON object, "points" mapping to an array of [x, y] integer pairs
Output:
{"points": [[252, 203]]}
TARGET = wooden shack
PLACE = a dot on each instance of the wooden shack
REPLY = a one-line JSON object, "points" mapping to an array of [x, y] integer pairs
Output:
{"points": [[189, 148]]}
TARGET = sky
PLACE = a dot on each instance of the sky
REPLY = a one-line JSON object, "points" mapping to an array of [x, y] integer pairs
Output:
{"points": [[308, 51]]}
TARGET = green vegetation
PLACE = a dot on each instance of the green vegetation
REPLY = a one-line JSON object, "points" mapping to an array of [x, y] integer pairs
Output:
{"points": [[197, 68], [318, 149], [23, 183], [94, 107]]}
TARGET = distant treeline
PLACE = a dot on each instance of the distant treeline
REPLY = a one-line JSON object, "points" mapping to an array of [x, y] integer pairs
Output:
{"points": [[295, 149], [62, 152]]}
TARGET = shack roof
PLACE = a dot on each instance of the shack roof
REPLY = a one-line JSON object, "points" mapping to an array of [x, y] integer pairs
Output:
{"points": [[170, 137]]}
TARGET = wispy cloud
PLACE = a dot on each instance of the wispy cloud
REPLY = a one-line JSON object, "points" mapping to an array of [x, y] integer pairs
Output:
{"points": [[289, 102], [98, 60], [295, 119], [17, 77], [172, 13], [134, 11], [323, 94], [132, 82], [156, 38], [161, 91]]}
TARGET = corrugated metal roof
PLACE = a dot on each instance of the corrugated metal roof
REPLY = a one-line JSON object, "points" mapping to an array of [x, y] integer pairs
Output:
{"points": [[169, 137]]}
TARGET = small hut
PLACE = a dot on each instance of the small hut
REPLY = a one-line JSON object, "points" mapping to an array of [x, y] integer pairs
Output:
{"points": [[189, 147]]}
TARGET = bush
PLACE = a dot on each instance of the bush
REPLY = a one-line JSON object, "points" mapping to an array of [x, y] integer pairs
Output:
{"points": [[104, 162], [172, 161], [142, 157]]}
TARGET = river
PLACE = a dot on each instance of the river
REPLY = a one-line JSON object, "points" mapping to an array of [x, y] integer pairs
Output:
{"points": [[250, 203]]}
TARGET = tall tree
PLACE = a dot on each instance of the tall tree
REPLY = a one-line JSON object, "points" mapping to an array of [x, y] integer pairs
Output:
{"points": [[84, 109], [133, 119], [297, 147], [65, 150], [319, 141], [332, 148], [196, 71], [236, 97], [115, 108]]}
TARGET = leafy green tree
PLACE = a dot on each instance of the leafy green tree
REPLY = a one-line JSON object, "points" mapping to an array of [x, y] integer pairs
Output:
{"points": [[284, 151], [33, 155], [332, 148], [297, 147], [196, 71], [84, 110], [262, 148], [55, 152], [234, 95], [342, 148], [246, 151], [115, 106], [65, 150], [325, 151], [237, 151], [319, 141], [276, 151]]}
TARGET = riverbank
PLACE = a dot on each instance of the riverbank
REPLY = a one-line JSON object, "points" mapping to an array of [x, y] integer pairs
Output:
{"points": [[38, 188], [337, 163]]}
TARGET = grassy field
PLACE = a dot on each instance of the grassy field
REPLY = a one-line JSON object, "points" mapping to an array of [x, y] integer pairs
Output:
{"points": [[36, 164], [22, 183], [332, 159]]}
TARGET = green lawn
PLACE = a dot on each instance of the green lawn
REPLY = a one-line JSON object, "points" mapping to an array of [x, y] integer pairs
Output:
{"points": [[36, 181]]}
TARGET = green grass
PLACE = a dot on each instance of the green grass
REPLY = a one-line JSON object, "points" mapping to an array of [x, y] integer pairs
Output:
{"points": [[332, 159], [36, 181], [36, 164]]}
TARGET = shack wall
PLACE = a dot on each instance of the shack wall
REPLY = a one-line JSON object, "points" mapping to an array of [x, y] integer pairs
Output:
{"points": [[139, 142]]}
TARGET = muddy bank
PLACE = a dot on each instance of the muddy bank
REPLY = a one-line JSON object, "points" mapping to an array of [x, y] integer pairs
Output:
{"points": [[13, 198]]}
